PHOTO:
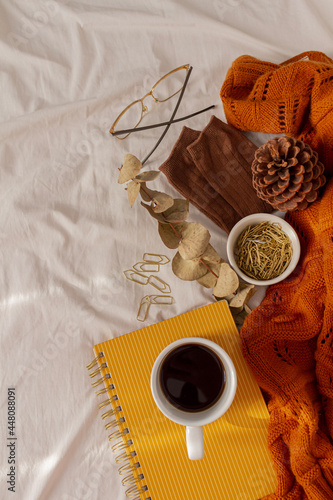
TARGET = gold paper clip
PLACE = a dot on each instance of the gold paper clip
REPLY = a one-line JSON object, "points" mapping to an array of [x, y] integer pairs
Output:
{"points": [[161, 285], [147, 267], [155, 257], [143, 308], [161, 299], [148, 300], [135, 276]]}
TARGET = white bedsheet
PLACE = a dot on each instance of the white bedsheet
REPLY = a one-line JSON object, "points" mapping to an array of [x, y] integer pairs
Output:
{"points": [[67, 232]]}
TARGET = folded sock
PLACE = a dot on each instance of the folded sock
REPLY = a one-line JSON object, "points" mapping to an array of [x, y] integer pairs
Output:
{"points": [[185, 177], [224, 155], [212, 169]]}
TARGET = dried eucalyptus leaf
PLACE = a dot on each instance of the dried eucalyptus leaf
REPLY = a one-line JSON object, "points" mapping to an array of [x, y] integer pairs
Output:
{"points": [[156, 216], [243, 295], [176, 214], [227, 282], [133, 190], [211, 255], [195, 238], [236, 310], [187, 270], [146, 193], [229, 297], [247, 309], [209, 279], [171, 235], [240, 317], [179, 211], [161, 202], [150, 175], [130, 168]]}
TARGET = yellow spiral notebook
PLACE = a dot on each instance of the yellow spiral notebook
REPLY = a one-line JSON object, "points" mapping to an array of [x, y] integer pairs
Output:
{"points": [[151, 449]]}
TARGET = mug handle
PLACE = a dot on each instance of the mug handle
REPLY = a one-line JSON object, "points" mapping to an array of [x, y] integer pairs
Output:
{"points": [[194, 442]]}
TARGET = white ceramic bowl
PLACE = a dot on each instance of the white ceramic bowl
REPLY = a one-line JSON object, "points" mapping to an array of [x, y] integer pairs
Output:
{"points": [[256, 219]]}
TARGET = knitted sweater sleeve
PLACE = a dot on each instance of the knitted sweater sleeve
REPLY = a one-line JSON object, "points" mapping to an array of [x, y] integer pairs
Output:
{"points": [[287, 341], [294, 98]]}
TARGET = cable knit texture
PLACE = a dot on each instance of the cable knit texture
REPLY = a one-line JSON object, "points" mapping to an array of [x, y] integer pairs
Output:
{"points": [[293, 98], [288, 343]]}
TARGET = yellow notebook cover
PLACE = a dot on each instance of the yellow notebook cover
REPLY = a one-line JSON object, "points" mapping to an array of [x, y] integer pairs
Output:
{"points": [[236, 465]]}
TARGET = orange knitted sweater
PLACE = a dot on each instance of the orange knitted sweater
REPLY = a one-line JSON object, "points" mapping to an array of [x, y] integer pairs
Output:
{"points": [[293, 98], [288, 343]]}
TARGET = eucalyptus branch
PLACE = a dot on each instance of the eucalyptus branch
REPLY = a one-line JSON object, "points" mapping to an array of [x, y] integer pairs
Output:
{"points": [[180, 236], [195, 258]]}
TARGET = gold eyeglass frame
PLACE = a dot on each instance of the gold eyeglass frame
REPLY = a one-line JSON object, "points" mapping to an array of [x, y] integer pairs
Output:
{"points": [[144, 108]]}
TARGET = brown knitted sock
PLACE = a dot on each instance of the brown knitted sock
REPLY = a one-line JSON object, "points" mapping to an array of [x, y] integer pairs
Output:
{"points": [[184, 176], [213, 170], [224, 156]]}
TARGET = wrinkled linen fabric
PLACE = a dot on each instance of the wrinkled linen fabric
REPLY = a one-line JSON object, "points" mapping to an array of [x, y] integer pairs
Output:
{"points": [[67, 231]]}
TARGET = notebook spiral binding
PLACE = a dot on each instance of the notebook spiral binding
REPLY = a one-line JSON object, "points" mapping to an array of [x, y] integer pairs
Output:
{"points": [[120, 434]]}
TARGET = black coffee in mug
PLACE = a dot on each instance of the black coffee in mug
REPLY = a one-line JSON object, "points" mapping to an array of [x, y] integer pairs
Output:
{"points": [[192, 377]]}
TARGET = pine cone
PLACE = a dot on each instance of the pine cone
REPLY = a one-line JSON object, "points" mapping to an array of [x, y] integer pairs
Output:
{"points": [[287, 174]]}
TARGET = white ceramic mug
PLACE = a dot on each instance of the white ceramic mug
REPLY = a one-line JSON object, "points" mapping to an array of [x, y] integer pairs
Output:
{"points": [[194, 421]]}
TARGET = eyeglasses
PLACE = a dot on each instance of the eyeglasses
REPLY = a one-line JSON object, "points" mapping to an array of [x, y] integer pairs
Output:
{"points": [[164, 89]]}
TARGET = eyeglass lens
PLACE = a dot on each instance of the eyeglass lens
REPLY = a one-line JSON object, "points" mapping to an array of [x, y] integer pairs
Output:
{"points": [[169, 85], [164, 89], [130, 118]]}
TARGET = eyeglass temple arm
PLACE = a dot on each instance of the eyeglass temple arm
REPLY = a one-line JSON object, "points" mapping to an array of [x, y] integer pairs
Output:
{"points": [[147, 127], [172, 116]]}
